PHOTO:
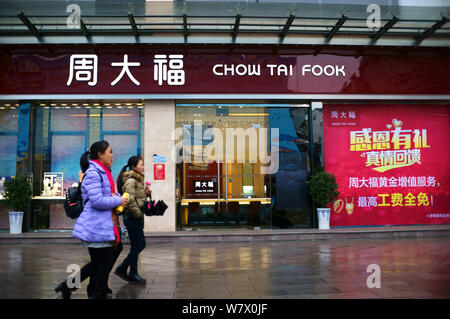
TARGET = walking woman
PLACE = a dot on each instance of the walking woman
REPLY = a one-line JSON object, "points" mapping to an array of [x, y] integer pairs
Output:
{"points": [[132, 182], [98, 226], [87, 269]]}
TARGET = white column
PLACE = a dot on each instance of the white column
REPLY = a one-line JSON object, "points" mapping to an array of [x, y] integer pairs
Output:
{"points": [[159, 120]]}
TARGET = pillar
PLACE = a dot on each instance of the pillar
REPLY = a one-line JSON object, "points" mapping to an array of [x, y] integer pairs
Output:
{"points": [[159, 119]]}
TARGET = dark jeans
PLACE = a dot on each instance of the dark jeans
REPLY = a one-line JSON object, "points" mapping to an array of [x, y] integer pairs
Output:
{"points": [[135, 229]]}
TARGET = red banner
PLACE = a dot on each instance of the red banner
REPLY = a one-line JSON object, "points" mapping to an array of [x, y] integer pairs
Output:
{"points": [[390, 162]]}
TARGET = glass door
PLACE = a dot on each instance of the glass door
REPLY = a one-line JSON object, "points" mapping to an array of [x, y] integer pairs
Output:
{"points": [[221, 177]]}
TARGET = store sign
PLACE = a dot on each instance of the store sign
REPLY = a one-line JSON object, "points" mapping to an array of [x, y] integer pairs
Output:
{"points": [[204, 186], [391, 163], [134, 70]]}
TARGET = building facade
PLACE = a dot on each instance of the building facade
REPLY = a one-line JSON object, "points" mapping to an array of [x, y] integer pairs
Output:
{"points": [[232, 106]]}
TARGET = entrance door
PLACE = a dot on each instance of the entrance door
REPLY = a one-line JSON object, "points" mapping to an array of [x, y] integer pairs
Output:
{"points": [[224, 152]]}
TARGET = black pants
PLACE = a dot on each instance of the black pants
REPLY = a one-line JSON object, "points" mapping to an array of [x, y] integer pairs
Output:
{"points": [[135, 229], [88, 269], [101, 263]]}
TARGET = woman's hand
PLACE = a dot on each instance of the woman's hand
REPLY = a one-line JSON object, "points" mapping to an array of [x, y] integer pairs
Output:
{"points": [[124, 201]]}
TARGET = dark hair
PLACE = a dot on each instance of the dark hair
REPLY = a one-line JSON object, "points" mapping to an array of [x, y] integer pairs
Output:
{"points": [[132, 162], [92, 153]]}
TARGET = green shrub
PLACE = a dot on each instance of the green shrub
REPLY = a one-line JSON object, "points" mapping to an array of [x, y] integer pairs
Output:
{"points": [[323, 188], [17, 193]]}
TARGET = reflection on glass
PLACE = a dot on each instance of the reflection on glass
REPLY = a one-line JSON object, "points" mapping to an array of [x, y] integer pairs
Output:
{"points": [[8, 144], [220, 159], [61, 135], [290, 198]]}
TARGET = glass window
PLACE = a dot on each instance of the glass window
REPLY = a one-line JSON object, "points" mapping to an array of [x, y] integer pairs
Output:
{"points": [[290, 203], [8, 143], [62, 133]]}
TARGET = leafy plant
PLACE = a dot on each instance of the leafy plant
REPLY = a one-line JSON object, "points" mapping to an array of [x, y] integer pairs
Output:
{"points": [[323, 188], [17, 192]]}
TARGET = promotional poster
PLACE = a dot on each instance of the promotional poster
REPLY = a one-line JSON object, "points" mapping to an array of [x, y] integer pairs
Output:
{"points": [[390, 162]]}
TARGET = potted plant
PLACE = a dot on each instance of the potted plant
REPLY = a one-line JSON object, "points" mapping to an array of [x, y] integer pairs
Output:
{"points": [[17, 194], [323, 190]]}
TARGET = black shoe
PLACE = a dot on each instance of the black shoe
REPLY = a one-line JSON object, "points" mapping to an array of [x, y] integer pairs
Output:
{"points": [[121, 271], [91, 293], [64, 290], [136, 279]]}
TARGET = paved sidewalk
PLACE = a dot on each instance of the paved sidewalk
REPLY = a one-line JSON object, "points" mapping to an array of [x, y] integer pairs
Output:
{"points": [[410, 268], [246, 235]]}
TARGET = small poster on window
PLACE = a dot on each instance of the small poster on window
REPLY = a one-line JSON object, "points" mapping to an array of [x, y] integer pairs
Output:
{"points": [[53, 184]]}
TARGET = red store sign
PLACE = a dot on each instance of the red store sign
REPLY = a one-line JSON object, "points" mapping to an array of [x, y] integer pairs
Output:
{"points": [[110, 70]]}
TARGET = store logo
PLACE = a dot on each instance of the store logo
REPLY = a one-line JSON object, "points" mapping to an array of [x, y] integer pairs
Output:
{"points": [[227, 145], [169, 69]]}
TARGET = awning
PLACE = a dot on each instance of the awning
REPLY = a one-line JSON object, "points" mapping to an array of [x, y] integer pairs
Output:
{"points": [[53, 22]]}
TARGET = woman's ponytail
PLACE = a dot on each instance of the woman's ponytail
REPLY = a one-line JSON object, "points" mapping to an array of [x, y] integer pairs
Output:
{"points": [[119, 179], [84, 161]]}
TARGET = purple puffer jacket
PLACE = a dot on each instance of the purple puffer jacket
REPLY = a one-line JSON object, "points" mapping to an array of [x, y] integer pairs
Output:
{"points": [[95, 223]]}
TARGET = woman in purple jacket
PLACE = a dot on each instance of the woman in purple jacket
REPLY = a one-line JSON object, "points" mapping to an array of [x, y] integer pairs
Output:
{"points": [[87, 271], [97, 226]]}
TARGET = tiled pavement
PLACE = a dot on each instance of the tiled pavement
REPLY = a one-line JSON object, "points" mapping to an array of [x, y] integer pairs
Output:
{"points": [[410, 268]]}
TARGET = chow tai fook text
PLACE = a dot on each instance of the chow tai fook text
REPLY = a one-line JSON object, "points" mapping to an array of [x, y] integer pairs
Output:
{"points": [[150, 70], [169, 69], [391, 165]]}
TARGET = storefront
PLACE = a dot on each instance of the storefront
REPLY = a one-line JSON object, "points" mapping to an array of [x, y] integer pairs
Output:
{"points": [[231, 133]]}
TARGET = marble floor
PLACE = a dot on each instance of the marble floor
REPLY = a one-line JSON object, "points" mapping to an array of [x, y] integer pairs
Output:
{"points": [[409, 268]]}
